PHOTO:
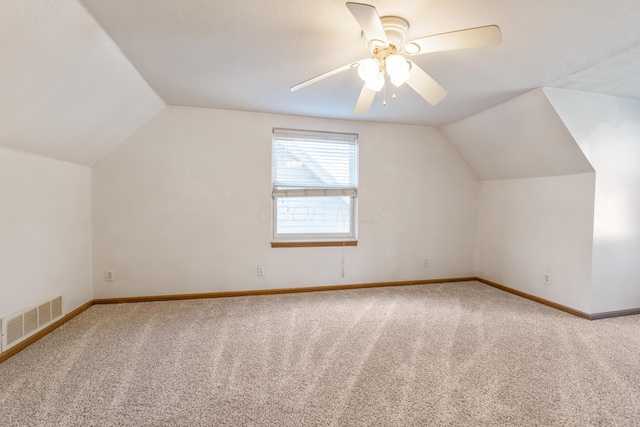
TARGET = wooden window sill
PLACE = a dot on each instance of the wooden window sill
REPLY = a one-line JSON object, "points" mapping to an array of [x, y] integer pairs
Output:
{"points": [[313, 244]]}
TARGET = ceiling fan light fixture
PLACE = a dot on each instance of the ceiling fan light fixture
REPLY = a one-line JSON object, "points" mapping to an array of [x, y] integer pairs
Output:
{"points": [[399, 79], [385, 38], [368, 69], [398, 69], [376, 82], [395, 64]]}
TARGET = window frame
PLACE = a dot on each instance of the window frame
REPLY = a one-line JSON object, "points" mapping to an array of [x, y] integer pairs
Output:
{"points": [[315, 239]]}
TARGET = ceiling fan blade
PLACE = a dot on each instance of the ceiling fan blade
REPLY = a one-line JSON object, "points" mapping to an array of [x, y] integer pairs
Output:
{"points": [[364, 100], [424, 84], [323, 76], [369, 20], [489, 35]]}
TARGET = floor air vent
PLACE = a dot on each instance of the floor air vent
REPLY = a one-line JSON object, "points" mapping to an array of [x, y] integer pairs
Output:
{"points": [[21, 325]]}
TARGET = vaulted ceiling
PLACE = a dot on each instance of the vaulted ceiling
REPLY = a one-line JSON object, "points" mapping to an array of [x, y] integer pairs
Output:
{"points": [[78, 77], [66, 90]]}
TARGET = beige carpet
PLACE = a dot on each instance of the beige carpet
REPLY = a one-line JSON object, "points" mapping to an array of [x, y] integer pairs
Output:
{"points": [[460, 354]]}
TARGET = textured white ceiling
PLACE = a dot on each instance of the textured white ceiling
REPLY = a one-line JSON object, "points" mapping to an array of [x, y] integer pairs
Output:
{"points": [[66, 90], [246, 54], [618, 75], [76, 82]]}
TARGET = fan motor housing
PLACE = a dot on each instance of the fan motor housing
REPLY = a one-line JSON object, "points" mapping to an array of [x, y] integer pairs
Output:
{"points": [[396, 29]]}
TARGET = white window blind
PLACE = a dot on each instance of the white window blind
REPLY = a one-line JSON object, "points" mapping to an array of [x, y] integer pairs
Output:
{"points": [[314, 184]]}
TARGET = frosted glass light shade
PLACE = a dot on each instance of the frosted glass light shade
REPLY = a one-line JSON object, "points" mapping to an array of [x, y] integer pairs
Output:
{"points": [[395, 64], [400, 78], [398, 69], [376, 82], [368, 69]]}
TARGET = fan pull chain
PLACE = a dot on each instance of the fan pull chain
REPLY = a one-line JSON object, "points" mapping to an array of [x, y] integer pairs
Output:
{"points": [[394, 93], [384, 98]]}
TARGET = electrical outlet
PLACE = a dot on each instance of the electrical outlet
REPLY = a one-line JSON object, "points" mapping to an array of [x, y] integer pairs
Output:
{"points": [[425, 262], [260, 270], [110, 275], [547, 278]]}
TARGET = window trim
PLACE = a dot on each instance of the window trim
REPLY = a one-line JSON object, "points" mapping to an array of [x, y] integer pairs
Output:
{"points": [[313, 244], [315, 239]]}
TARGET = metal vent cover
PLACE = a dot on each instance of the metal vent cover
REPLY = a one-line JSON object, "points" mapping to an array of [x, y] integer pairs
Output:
{"points": [[14, 329], [30, 321], [56, 307], [44, 313], [21, 325]]}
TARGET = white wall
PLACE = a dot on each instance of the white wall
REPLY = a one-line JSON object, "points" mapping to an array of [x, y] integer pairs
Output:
{"points": [[184, 206], [535, 201], [607, 129], [45, 232], [529, 227]]}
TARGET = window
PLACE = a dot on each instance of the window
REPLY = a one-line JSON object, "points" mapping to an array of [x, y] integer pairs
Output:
{"points": [[314, 186]]}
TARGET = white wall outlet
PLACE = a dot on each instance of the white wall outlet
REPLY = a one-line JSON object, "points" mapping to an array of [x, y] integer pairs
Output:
{"points": [[110, 275], [547, 278], [425, 262], [260, 270]]}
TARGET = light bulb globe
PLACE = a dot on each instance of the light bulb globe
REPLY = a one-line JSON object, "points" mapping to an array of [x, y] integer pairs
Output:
{"points": [[395, 64], [377, 82], [368, 69], [400, 78]]}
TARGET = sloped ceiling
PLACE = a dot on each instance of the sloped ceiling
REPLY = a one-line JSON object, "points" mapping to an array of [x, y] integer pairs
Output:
{"points": [[606, 128], [78, 76], [521, 138], [244, 55], [66, 90], [618, 75]]}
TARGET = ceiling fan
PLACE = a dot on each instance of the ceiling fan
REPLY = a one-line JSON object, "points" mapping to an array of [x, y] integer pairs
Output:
{"points": [[385, 37]]}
